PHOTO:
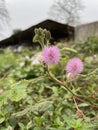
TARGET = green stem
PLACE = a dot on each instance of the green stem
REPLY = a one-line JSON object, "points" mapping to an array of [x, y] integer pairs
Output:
{"points": [[79, 97], [89, 73], [60, 82]]}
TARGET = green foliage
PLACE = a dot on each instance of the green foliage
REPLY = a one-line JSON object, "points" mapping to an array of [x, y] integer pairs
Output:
{"points": [[5, 63], [90, 46], [30, 100]]}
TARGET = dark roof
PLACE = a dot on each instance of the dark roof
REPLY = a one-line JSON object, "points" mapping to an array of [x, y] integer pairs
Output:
{"points": [[58, 30]]}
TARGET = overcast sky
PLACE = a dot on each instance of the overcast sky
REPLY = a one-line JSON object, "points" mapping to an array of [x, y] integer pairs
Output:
{"points": [[25, 13]]}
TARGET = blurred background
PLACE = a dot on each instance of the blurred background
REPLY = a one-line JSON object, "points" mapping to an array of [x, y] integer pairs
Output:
{"points": [[20, 14]]}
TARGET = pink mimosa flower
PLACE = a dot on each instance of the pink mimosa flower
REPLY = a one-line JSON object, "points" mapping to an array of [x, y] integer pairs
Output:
{"points": [[51, 55], [74, 66]]}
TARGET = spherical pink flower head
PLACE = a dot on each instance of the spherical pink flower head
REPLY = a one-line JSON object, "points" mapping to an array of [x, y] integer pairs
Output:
{"points": [[51, 55], [74, 66]]}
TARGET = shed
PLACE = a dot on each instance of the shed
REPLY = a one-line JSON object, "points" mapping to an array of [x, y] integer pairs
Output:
{"points": [[58, 30]]}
